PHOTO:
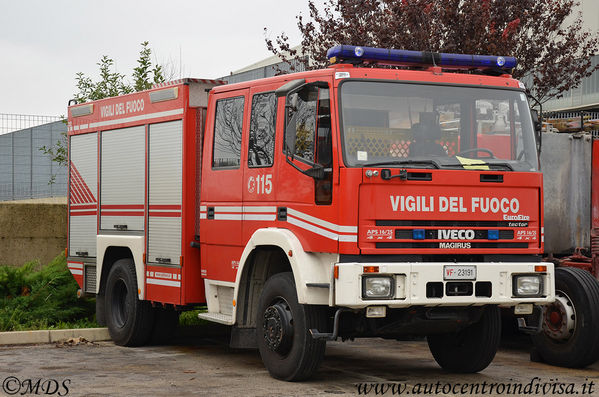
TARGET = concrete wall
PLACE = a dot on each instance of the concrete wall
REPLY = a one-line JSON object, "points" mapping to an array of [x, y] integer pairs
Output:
{"points": [[32, 231]]}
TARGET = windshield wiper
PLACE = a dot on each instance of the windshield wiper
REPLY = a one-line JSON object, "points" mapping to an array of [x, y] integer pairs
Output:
{"points": [[491, 165], [403, 162]]}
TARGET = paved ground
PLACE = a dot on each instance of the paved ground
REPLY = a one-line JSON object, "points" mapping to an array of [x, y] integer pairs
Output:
{"points": [[206, 366]]}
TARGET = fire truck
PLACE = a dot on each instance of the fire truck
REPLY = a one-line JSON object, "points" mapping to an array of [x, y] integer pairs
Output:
{"points": [[343, 203]]}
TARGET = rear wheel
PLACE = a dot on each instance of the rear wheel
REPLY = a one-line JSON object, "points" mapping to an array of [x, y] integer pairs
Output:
{"points": [[569, 337], [472, 349], [129, 320], [287, 349]]}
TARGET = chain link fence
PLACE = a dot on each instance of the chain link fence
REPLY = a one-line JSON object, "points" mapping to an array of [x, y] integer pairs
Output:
{"points": [[25, 171]]}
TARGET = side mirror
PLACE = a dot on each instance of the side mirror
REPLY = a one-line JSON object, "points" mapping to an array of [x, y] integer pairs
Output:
{"points": [[290, 121], [538, 126], [297, 91], [289, 87], [536, 120]]}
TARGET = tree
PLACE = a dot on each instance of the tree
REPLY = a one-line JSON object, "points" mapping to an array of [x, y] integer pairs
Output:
{"points": [[111, 83], [553, 51], [144, 72]]}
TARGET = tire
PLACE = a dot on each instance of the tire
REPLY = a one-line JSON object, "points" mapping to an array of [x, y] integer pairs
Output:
{"points": [[101, 310], [167, 320], [288, 352], [129, 320], [569, 337], [471, 349]]}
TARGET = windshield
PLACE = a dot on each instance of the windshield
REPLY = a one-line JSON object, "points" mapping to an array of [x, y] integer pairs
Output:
{"points": [[436, 126]]}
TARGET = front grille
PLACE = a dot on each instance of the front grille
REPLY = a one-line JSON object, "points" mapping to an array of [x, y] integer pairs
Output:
{"points": [[90, 278], [433, 234], [447, 234]]}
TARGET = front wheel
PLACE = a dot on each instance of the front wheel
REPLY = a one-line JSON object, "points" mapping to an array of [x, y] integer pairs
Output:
{"points": [[287, 349], [473, 348], [129, 320], [569, 337]]}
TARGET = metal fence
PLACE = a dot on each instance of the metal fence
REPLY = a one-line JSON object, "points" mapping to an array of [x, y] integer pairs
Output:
{"points": [[576, 121], [25, 171], [16, 122]]}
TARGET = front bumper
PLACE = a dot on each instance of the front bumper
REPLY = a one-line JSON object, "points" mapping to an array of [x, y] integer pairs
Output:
{"points": [[411, 279]]}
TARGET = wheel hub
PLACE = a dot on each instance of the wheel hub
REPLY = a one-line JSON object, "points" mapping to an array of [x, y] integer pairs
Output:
{"points": [[559, 318], [278, 327]]}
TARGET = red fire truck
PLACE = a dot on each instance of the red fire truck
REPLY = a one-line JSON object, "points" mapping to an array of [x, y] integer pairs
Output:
{"points": [[337, 203]]}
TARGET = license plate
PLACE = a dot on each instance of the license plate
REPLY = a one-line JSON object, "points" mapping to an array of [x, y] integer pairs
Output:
{"points": [[459, 272]]}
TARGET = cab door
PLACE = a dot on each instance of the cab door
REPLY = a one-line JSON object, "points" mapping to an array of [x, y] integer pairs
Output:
{"points": [[221, 207], [260, 179], [305, 183]]}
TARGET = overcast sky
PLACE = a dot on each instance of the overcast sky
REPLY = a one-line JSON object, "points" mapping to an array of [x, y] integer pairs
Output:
{"points": [[44, 43]]}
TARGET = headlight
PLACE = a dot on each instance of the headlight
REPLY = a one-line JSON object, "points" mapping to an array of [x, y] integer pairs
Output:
{"points": [[377, 287], [528, 285]]}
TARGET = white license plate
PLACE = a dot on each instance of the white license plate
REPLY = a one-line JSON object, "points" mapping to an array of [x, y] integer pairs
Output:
{"points": [[459, 272]]}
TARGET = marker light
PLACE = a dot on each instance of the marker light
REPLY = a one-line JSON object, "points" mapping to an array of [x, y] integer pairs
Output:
{"points": [[82, 110], [164, 95], [385, 56], [371, 269]]}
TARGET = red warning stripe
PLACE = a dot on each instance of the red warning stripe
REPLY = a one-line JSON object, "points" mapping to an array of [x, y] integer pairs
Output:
{"points": [[80, 192]]}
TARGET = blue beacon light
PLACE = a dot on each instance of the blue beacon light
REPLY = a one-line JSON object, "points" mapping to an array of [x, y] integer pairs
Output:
{"points": [[493, 234], [418, 234], [406, 57]]}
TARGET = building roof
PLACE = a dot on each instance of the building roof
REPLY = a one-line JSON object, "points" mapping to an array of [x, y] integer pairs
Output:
{"points": [[265, 62]]}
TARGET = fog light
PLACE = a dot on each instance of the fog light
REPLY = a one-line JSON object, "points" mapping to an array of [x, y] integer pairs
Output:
{"points": [[377, 287], [376, 311], [523, 309], [528, 285]]}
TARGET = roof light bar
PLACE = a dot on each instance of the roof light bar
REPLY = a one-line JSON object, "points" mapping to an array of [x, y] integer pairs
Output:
{"points": [[350, 53]]}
